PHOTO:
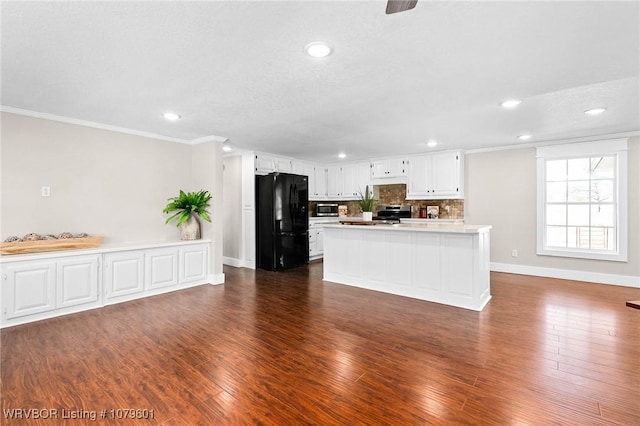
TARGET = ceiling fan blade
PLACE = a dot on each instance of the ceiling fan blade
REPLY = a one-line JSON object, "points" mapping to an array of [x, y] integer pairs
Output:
{"points": [[394, 6]]}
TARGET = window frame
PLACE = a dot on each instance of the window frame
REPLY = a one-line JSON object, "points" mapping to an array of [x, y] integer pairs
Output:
{"points": [[613, 147]]}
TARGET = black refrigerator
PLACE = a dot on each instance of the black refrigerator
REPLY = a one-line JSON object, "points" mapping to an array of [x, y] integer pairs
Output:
{"points": [[282, 221]]}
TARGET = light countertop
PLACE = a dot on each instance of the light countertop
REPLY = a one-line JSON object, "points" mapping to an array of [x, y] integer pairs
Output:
{"points": [[417, 227]]}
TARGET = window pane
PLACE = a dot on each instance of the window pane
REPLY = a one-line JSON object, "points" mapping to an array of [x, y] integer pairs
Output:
{"points": [[578, 168], [602, 215], [578, 191], [611, 239], [578, 215], [556, 170], [556, 214], [602, 167], [556, 236], [602, 191], [556, 192], [574, 236]]}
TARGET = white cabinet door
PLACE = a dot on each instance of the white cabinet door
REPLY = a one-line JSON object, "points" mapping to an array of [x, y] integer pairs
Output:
{"points": [[418, 168], [320, 240], [77, 281], [320, 173], [161, 268], [361, 179], [123, 275], [334, 182], [266, 163], [397, 167], [282, 165], [194, 265], [379, 169], [28, 288], [313, 251], [445, 176], [435, 176], [263, 164]]}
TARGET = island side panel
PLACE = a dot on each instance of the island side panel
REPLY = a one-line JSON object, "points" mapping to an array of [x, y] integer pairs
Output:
{"points": [[448, 268]]}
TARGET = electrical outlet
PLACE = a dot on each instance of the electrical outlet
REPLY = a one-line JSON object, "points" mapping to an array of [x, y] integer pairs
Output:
{"points": [[46, 191], [514, 253]]}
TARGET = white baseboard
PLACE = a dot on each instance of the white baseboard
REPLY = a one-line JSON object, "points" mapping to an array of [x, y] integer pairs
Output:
{"points": [[215, 279], [238, 263], [568, 274], [232, 261]]}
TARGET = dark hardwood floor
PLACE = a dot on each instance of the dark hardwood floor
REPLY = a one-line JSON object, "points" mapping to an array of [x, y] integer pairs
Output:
{"points": [[287, 349]]}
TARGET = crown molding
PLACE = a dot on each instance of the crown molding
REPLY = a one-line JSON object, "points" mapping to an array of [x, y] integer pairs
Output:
{"points": [[555, 142], [93, 124]]}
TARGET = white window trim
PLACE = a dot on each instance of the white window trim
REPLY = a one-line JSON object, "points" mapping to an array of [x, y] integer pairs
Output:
{"points": [[618, 147]]}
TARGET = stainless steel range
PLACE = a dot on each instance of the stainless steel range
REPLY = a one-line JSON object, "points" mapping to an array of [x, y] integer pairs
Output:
{"points": [[392, 214]]}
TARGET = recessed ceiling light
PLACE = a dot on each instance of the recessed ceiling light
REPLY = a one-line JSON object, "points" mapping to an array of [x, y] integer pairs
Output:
{"points": [[432, 143], [595, 111], [171, 116], [342, 155], [524, 137], [318, 49], [511, 103], [227, 148]]}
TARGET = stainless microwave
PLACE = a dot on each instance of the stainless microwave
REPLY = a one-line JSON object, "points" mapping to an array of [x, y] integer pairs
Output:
{"points": [[326, 210]]}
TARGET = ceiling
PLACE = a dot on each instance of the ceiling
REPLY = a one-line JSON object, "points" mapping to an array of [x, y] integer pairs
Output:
{"points": [[238, 70]]}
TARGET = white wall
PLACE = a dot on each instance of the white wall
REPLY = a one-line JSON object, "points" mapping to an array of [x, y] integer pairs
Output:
{"points": [[232, 200], [206, 166], [501, 191], [102, 182]]}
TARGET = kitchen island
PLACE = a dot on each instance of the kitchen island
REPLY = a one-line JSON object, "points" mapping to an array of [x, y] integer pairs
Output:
{"points": [[442, 263]]}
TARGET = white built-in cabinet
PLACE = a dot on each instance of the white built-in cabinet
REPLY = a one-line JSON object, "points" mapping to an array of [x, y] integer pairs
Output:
{"points": [[123, 275], [320, 183], [77, 281], [316, 236], [389, 168], [435, 176], [267, 163], [33, 288], [345, 182], [47, 285], [334, 182], [355, 179]]}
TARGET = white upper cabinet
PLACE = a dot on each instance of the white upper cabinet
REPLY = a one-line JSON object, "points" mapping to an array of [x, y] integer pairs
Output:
{"points": [[334, 182], [435, 176], [267, 163], [320, 183], [355, 178], [389, 168]]}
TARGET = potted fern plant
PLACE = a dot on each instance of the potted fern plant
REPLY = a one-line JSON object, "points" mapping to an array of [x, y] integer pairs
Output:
{"points": [[366, 202], [186, 209]]}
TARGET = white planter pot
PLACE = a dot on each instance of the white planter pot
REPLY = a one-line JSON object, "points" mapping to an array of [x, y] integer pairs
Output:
{"points": [[367, 216]]}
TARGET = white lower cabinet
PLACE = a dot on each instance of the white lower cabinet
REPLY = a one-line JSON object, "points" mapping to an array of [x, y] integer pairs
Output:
{"points": [[161, 269], [28, 288], [77, 281], [123, 276], [50, 285], [33, 290], [316, 236], [193, 264]]}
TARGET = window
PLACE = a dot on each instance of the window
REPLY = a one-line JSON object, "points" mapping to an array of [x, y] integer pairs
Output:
{"points": [[582, 200]]}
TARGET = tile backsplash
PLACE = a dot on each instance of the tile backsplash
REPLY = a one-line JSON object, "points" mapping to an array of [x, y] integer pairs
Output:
{"points": [[395, 194]]}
